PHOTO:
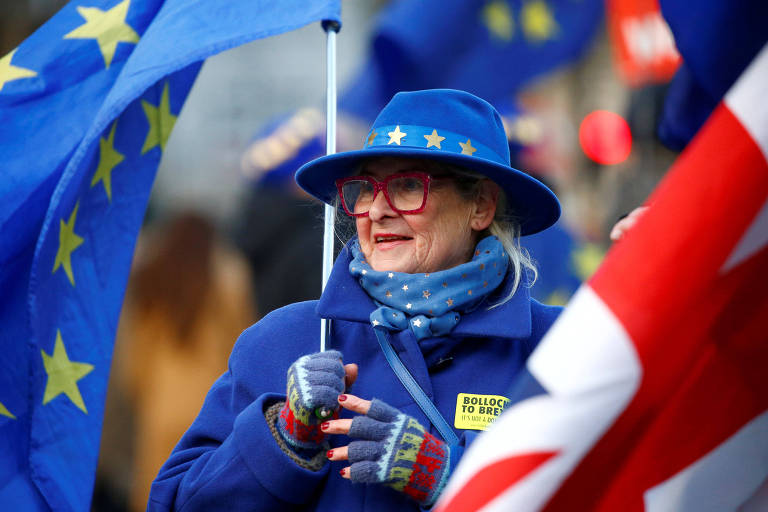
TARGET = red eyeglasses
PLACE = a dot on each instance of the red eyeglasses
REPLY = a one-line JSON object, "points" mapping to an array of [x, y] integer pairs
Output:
{"points": [[405, 192]]}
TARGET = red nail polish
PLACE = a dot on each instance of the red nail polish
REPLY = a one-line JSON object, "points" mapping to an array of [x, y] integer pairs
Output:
{"points": [[342, 471], [342, 398], [324, 426], [329, 454]]}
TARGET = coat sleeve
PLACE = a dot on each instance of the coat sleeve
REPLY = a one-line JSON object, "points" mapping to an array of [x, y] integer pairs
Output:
{"points": [[228, 459]]}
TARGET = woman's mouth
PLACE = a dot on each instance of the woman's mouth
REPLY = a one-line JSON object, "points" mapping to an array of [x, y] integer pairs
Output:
{"points": [[391, 238]]}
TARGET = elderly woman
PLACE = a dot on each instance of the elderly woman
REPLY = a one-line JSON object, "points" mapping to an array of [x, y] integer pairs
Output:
{"points": [[429, 303]]}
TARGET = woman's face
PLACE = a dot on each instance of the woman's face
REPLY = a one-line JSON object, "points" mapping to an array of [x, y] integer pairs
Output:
{"points": [[440, 237]]}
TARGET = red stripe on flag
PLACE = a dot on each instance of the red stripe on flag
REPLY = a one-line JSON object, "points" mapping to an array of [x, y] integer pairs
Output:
{"points": [[492, 480], [699, 334], [699, 212]]}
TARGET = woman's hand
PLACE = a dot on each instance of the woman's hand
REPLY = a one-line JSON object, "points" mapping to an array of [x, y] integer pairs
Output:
{"points": [[313, 382], [394, 449], [625, 224]]}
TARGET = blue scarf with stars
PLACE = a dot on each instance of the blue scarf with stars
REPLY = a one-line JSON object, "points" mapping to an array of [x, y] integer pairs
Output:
{"points": [[430, 304]]}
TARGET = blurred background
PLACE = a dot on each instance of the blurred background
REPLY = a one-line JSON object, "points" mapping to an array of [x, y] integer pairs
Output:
{"points": [[580, 84]]}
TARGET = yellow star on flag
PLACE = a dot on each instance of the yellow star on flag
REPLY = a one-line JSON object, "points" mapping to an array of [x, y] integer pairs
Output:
{"points": [[107, 27], [396, 136], [586, 259], [557, 298], [5, 412], [497, 17], [466, 148], [68, 242], [538, 22], [371, 137], [63, 375], [108, 160], [9, 72], [161, 122], [434, 139]]}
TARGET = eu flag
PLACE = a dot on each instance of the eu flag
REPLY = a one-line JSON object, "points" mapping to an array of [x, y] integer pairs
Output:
{"points": [[490, 48], [563, 262], [717, 41], [87, 104]]}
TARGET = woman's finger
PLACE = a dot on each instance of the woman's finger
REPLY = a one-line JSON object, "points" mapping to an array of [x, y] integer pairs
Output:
{"points": [[336, 426], [344, 472], [627, 223], [350, 371], [354, 403], [340, 453]]}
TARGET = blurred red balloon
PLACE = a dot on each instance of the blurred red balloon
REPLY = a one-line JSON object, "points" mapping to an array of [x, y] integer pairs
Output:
{"points": [[605, 137]]}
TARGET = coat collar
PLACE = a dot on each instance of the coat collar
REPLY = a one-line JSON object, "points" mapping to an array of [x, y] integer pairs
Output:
{"points": [[344, 299]]}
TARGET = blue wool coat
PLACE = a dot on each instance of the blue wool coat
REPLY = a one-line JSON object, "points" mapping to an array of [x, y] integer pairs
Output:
{"points": [[228, 459]]}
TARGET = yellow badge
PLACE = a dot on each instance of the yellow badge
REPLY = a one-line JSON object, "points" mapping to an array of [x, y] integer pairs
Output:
{"points": [[476, 412]]}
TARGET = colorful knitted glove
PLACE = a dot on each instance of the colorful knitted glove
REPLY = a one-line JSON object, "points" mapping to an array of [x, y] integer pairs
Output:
{"points": [[398, 453], [313, 381]]}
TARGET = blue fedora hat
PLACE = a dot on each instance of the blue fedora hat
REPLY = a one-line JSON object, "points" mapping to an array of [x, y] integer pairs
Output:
{"points": [[449, 126]]}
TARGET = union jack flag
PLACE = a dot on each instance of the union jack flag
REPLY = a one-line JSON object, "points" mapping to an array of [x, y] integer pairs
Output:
{"points": [[650, 392]]}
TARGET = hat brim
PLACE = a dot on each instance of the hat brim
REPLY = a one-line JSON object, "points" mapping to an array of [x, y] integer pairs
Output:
{"points": [[530, 202]]}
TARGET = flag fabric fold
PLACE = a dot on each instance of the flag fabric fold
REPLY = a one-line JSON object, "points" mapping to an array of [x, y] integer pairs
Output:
{"points": [[490, 48], [717, 40], [87, 104], [653, 391]]}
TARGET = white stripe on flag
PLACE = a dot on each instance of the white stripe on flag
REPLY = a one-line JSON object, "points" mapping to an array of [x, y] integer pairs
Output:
{"points": [[590, 369], [740, 460], [746, 100], [753, 240]]}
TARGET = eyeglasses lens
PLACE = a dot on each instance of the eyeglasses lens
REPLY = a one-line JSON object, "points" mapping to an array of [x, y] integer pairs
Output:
{"points": [[357, 195], [405, 193]]}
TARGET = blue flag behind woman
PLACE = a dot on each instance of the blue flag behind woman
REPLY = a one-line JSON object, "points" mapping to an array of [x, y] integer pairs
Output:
{"points": [[87, 104]]}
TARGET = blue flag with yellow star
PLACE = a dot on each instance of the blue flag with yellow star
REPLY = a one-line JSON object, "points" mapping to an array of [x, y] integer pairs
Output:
{"points": [[490, 48], [563, 260], [87, 104]]}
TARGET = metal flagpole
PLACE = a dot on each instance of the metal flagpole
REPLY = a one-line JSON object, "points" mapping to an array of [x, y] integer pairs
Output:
{"points": [[331, 28]]}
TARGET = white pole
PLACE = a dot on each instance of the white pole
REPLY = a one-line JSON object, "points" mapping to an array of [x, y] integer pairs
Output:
{"points": [[331, 28]]}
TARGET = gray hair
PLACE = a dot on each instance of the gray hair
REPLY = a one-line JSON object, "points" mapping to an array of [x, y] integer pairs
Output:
{"points": [[504, 226]]}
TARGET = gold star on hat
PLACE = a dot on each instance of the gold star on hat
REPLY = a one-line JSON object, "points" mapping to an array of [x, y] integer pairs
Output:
{"points": [[466, 148], [396, 135], [434, 140]]}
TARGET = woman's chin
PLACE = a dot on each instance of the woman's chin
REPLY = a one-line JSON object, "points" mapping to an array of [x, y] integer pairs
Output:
{"points": [[395, 256], [391, 263]]}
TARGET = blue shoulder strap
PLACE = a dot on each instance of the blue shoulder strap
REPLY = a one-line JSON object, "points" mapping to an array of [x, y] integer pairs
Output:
{"points": [[418, 394]]}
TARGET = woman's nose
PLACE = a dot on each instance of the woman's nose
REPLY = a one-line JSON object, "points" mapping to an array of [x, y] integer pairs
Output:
{"points": [[380, 208]]}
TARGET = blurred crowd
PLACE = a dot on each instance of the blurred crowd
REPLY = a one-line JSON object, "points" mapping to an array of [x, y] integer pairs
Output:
{"points": [[199, 277]]}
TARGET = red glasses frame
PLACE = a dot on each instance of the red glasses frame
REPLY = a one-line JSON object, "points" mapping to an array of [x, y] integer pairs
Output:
{"points": [[382, 186]]}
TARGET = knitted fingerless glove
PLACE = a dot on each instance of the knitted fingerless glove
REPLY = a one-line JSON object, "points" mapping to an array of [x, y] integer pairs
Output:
{"points": [[313, 381], [398, 452]]}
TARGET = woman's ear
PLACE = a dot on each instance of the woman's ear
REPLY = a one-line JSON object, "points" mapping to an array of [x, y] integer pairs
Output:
{"points": [[485, 204]]}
